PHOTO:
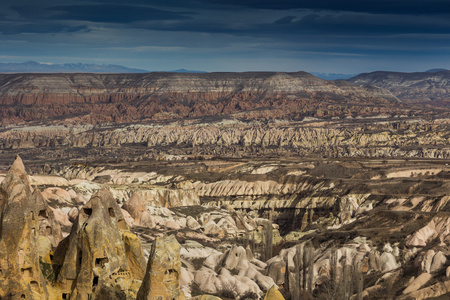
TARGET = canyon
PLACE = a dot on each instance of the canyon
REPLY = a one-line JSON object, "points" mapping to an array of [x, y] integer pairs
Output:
{"points": [[257, 185]]}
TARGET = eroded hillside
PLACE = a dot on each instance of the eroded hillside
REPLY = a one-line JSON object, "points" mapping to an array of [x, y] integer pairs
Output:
{"points": [[421, 87], [120, 98], [241, 186]]}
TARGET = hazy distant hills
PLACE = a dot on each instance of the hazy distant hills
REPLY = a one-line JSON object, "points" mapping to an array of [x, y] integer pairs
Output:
{"points": [[432, 85], [333, 76], [186, 71], [35, 67], [435, 70]]}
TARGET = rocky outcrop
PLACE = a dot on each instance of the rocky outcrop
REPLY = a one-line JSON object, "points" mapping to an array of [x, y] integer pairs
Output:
{"points": [[162, 278], [436, 290], [178, 141], [438, 227], [160, 197], [20, 272], [235, 273], [137, 209], [101, 257]]}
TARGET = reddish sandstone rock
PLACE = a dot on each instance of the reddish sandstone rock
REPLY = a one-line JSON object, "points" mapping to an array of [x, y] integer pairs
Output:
{"points": [[118, 98]]}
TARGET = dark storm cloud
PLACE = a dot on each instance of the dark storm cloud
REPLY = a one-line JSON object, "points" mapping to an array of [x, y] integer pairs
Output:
{"points": [[338, 24], [359, 24], [415, 7], [107, 13], [9, 29], [285, 20], [221, 30], [330, 17], [32, 18]]}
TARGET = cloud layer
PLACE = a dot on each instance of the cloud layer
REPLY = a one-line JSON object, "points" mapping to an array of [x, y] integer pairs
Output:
{"points": [[217, 35]]}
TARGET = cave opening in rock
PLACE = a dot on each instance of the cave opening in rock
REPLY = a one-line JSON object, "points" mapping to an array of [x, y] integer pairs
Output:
{"points": [[34, 285], [95, 281], [80, 257], [101, 261], [87, 211], [111, 212]]}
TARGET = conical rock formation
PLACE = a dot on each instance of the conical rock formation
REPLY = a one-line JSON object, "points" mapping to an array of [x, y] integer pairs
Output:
{"points": [[101, 257], [20, 273], [49, 227], [162, 278], [273, 294], [138, 211]]}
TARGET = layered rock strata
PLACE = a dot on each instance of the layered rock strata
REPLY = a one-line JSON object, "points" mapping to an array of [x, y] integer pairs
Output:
{"points": [[419, 86], [98, 98]]}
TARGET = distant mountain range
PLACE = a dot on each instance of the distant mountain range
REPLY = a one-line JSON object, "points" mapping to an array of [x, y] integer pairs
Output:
{"points": [[435, 70], [35, 67], [333, 76], [186, 71], [336, 76]]}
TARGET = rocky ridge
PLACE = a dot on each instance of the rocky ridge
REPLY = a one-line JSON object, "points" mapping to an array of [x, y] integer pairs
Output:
{"points": [[411, 87], [383, 138], [119, 98]]}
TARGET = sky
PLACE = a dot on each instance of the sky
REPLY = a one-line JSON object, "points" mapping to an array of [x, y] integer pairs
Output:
{"points": [[331, 36]]}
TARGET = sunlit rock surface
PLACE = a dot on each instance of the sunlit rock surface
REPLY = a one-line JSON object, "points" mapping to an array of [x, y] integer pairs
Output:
{"points": [[100, 255], [20, 275], [162, 277]]}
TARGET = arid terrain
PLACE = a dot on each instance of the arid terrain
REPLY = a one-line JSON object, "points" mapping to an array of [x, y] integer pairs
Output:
{"points": [[233, 185]]}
